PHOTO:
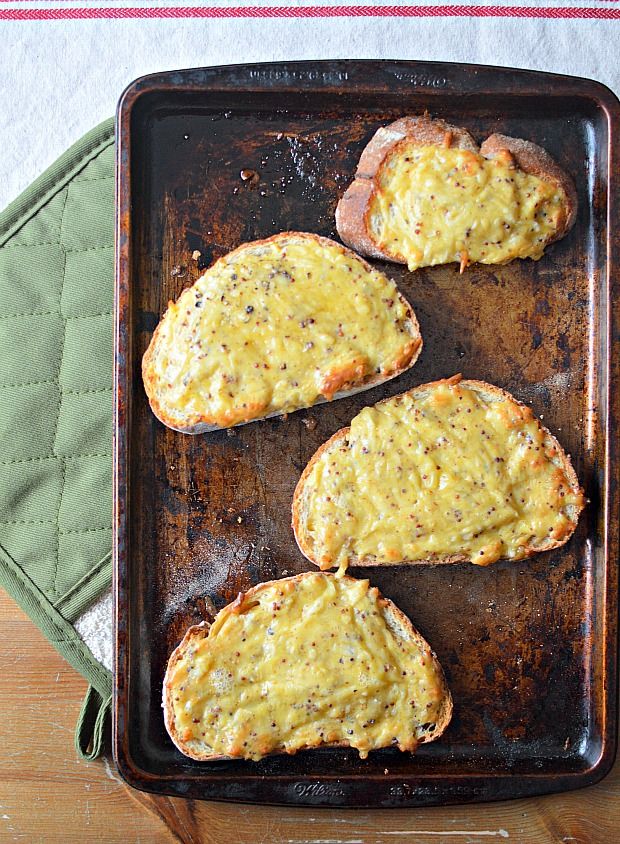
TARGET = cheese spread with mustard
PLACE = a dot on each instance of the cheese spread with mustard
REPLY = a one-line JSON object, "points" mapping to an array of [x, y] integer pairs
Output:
{"points": [[273, 327], [434, 205], [438, 472], [302, 662]]}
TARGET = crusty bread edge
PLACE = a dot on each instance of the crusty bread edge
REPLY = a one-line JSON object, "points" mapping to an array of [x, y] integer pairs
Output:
{"points": [[197, 631], [482, 386], [203, 426], [353, 209], [398, 618]]}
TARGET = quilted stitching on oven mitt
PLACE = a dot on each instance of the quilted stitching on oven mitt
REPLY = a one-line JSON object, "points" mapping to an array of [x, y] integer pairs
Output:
{"points": [[56, 292]]}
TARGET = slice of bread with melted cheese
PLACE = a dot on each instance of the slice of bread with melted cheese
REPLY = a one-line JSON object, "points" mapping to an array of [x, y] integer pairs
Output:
{"points": [[303, 662], [275, 326], [449, 472], [425, 194]]}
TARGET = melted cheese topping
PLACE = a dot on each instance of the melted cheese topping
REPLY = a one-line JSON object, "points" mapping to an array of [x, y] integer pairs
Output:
{"points": [[435, 205], [303, 663], [451, 471], [273, 327]]}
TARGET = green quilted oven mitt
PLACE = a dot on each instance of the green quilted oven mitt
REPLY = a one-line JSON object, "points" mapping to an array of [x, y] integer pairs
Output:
{"points": [[56, 293]]}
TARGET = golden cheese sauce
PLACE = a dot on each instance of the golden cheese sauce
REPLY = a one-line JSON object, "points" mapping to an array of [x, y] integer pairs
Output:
{"points": [[449, 472], [303, 664], [273, 328], [436, 205]]}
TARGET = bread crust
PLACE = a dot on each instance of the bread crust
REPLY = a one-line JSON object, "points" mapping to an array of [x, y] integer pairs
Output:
{"points": [[204, 423], [434, 559], [353, 209], [201, 631]]}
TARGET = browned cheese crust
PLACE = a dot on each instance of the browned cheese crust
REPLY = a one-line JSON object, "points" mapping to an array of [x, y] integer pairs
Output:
{"points": [[201, 631], [341, 435], [353, 209], [354, 385]]}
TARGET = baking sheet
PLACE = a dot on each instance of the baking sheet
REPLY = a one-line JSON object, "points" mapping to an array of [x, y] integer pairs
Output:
{"points": [[529, 648]]}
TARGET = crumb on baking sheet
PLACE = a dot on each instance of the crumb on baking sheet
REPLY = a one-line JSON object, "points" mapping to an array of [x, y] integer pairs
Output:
{"points": [[250, 177]]}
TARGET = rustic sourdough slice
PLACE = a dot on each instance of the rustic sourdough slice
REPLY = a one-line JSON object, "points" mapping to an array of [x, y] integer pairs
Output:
{"points": [[275, 326], [425, 194], [302, 662], [449, 472]]}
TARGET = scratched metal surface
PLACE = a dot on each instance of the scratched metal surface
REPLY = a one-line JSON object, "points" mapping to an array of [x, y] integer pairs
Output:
{"points": [[528, 648]]}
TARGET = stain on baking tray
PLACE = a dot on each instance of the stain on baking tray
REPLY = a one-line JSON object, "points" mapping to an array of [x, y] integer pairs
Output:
{"points": [[264, 179]]}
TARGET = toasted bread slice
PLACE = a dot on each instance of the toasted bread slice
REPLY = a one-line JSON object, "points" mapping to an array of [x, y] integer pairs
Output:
{"points": [[302, 662], [275, 326], [452, 471], [425, 194]]}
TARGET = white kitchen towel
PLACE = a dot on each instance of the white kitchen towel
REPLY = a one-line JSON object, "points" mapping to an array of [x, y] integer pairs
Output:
{"points": [[64, 64]]}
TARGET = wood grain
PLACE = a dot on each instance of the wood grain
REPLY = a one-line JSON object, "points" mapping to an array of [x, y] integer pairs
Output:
{"points": [[49, 795]]}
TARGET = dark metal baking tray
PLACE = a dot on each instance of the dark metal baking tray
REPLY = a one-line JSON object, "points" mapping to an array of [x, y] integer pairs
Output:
{"points": [[529, 648]]}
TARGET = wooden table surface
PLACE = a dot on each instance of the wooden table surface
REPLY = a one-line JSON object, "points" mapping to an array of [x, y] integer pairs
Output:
{"points": [[49, 795]]}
